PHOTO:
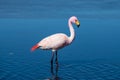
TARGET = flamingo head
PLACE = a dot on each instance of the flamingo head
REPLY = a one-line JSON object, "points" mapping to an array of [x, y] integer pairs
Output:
{"points": [[74, 20]]}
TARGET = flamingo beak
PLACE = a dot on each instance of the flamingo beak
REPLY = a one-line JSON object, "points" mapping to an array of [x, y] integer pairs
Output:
{"points": [[77, 23]]}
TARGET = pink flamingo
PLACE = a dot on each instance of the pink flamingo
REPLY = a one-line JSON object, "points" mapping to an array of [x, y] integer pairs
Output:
{"points": [[57, 41]]}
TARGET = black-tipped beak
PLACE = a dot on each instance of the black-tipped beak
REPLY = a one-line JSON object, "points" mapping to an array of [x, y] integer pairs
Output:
{"points": [[77, 23]]}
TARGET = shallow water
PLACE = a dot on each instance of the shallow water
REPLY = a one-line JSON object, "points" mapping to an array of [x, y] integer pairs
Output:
{"points": [[94, 54], [68, 70]]}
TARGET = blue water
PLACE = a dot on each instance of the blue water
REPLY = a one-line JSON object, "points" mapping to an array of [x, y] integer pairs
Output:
{"points": [[94, 54]]}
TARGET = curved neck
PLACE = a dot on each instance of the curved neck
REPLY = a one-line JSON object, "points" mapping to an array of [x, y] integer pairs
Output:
{"points": [[72, 32]]}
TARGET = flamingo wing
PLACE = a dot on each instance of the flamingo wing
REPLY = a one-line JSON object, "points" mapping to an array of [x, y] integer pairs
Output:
{"points": [[55, 41]]}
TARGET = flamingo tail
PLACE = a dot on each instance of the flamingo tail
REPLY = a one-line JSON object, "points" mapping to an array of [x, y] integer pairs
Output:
{"points": [[34, 47]]}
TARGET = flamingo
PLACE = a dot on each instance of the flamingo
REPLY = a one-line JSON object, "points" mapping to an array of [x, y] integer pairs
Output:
{"points": [[57, 41]]}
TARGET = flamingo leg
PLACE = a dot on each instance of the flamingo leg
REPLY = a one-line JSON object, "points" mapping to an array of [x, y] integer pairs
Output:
{"points": [[56, 60], [52, 62], [54, 75]]}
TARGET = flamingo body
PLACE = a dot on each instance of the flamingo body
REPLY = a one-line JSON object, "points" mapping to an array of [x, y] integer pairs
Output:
{"points": [[54, 42]]}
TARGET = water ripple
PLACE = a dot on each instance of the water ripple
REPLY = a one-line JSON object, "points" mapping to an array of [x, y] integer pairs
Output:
{"points": [[67, 71]]}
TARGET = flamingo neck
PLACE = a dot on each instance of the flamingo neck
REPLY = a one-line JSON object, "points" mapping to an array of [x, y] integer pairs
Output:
{"points": [[72, 32]]}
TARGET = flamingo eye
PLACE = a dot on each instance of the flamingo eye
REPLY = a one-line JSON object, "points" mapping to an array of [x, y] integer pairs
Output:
{"points": [[75, 20]]}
